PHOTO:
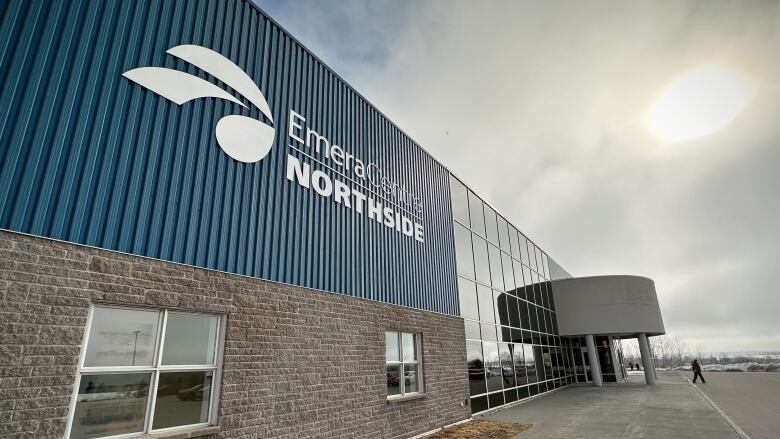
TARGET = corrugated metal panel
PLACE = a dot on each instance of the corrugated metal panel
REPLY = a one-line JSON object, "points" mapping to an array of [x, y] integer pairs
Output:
{"points": [[89, 157]]}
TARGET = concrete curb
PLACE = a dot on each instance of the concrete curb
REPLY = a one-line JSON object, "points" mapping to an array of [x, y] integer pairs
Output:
{"points": [[720, 412]]}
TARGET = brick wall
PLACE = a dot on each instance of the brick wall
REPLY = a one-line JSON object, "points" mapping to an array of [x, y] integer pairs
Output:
{"points": [[298, 362]]}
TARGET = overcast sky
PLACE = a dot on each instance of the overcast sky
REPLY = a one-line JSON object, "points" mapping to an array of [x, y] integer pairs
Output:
{"points": [[541, 108]]}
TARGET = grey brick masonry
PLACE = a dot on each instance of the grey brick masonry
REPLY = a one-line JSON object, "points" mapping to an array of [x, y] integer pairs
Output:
{"points": [[298, 363]]}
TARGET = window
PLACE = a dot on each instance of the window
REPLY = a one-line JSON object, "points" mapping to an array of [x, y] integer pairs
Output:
{"points": [[490, 225], [515, 244], [467, 293], [476, 368], [481, 263], [460, 202], [495, 267], [503, 236], [403, 360], [523, 244], [476, 214], [464, 255], [486, 310], [509, 278], [144, 370]]}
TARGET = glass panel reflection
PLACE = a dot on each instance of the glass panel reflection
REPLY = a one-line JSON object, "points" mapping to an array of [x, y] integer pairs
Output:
{"points": [[182, 399], [512, 311], [538, 253], [503, 236], [476, 214], [481, 264], [525, 321], [519, 362], [486, 313], [540, 362], [550, 297], [500, 308], [492, 366], [530, 363], [472, 330], [467, 293], [490, 225], [547, 363], [495, 268], [523, 249], [533, 318], [393, 381], [392, 352], [507, 366], [505, 333], [488, 332], [513, 362], [408, 342], [411, 378], [464, 254], [121, 337], [513, 241], [476, 367], [509, 278], [460, 205], [529, 288], [190, 339], [110, 404]]}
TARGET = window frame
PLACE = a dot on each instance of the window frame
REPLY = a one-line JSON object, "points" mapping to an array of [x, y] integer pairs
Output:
{"points": [[155, 369], [401, 363]]}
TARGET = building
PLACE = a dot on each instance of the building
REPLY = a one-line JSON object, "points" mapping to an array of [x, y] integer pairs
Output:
{"points": [[207, 233]]}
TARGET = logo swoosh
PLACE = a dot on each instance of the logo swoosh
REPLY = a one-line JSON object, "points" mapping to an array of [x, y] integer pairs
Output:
{"points": [[245, 139], [177, 86], [223, 69]]}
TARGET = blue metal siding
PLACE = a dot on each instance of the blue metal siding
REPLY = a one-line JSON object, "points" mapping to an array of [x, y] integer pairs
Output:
{"points": [[89, 157]]}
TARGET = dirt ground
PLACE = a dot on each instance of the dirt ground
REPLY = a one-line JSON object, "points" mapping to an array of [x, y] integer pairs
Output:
{"points": [[479, 429]]}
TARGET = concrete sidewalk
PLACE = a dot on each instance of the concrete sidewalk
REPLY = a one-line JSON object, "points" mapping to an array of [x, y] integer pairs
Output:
{"points": [[750, 399], [671, 409]]}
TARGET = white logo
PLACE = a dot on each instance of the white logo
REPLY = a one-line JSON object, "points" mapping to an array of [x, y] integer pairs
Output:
{"points": [[242, 138]]}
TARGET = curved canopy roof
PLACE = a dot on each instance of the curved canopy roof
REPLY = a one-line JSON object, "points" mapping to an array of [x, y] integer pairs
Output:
{"points": [[614, 305]]}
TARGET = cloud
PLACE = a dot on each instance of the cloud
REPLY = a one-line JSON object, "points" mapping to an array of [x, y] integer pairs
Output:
{"points": [[553, 96]]}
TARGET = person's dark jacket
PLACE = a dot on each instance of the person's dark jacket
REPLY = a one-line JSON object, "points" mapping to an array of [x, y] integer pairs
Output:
{"points": [[695, 366]]}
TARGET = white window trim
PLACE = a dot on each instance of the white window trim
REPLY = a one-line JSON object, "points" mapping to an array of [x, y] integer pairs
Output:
{"points": [[418, 362], [154, 370]]}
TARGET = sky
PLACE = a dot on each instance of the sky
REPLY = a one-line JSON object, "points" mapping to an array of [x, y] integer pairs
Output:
{"points": [[542, 109]]}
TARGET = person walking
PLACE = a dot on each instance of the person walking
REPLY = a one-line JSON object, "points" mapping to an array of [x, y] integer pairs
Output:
{"points": [[696, 367]]}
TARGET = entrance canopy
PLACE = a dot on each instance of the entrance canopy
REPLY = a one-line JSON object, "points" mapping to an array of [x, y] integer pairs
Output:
{"points": [[620, 306]]}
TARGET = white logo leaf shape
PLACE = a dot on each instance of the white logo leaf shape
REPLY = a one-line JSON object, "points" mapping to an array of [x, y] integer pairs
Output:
{"points": [[243, 138], [177, 86], [223, 69]]}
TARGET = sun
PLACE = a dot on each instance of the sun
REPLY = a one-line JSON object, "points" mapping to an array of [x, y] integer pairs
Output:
{"points": [[698, 103]]}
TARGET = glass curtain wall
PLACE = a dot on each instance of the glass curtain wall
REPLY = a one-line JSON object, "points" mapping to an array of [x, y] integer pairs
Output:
{"points": [[512, 342]]}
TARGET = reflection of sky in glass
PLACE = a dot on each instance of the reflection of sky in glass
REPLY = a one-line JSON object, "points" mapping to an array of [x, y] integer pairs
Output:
{"points": [[121, 337], [491, 353], [408, 345], [529, 356], [391, 343], [189, 339]]}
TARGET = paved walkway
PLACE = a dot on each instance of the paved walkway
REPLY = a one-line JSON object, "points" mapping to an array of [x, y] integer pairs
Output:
{"points": [[671, 409], [750, 399]]}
